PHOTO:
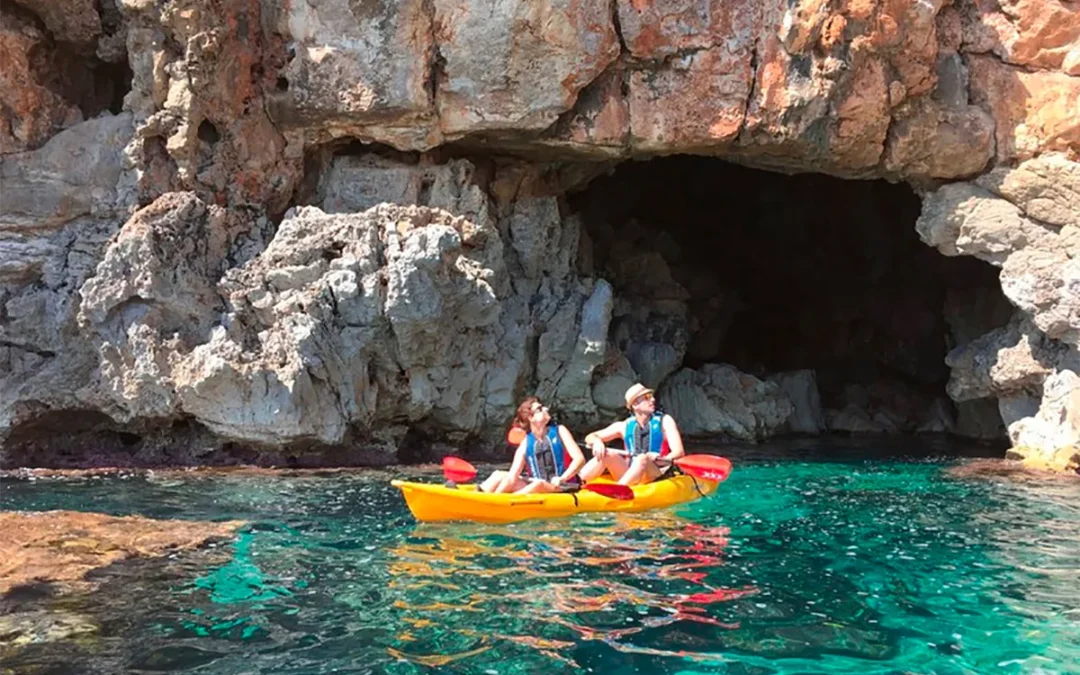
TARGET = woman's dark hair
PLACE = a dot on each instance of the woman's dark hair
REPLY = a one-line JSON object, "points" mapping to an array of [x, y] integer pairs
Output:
{"points": [[524, 412]]}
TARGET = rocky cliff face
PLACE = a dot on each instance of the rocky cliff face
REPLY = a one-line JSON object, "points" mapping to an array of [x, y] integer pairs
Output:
{"points": [[270, 228]]}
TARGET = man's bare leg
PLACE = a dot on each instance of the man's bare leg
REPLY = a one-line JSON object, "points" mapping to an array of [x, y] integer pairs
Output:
{"points": [[613, 463], [642, 470]]}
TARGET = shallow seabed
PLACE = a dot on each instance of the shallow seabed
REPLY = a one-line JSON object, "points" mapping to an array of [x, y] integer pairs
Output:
{"points": [[838, 564]]}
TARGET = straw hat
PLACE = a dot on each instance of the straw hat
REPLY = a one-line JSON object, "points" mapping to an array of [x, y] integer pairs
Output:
{"points": [[635, 391]]}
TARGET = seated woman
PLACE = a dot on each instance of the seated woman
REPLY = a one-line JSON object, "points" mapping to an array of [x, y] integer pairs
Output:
{"points": [[549, 454]]}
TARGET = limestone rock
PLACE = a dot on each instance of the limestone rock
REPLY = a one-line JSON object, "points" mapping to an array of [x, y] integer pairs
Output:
{"points": [[1046, 188], [361, 69], [980, 419], [855, 420], [718, 398], [610, 385], [1023, 220], [153, 297], [570, 383], [74, 174], [321, 311], [1008, 361], [964, 219], [1050, 435], [58, 207], [801, 388], [340, 321], [518, 66], [353, 184], [938, 419]]}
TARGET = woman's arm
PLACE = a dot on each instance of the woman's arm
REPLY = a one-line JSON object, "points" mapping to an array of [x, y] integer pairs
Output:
{"points": [[577, 457], [674, 438]]}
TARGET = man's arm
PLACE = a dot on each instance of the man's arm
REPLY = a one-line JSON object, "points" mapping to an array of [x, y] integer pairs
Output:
{"points": [[674, 438], [605, 435], [597, 441]]}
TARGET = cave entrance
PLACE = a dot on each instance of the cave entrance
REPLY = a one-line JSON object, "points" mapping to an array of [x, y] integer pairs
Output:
{"points": [[715, 263]]}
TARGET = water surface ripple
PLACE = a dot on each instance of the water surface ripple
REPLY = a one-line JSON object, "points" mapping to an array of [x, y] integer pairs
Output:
{"points": [[801, 567]]}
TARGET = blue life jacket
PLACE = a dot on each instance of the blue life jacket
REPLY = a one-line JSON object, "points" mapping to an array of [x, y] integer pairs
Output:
{"points": [[657, 442], [546, 464]]}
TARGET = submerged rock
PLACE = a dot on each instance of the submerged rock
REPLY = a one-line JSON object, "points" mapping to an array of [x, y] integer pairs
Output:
{"points": [[61, 547]]}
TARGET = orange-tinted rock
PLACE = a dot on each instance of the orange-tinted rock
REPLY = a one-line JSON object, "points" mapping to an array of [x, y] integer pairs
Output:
{"points": [[862, 116], [832, 35], [697, 103], [1033, 111], [600, 119], [1035, 33], [653, 29], [914, 50], [208, 126], [30, 113], [62, 546], [802, 25], [517, 65], [787, 99], [950, 29]]}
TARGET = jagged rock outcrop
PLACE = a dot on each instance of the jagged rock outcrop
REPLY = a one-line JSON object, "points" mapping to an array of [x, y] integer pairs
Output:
{"points": [[1025, 221], [257, 218], [718, 398]]}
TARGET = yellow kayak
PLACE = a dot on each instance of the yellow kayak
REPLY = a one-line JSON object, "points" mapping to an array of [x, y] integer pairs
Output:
{"points": [[430, 502]]}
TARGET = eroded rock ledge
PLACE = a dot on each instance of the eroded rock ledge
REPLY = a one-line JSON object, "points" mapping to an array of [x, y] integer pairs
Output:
{"points": [[60, 547], [338, 226]]}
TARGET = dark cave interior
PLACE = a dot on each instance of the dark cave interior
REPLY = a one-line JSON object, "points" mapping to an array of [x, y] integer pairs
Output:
{"points": [[772, 272]]}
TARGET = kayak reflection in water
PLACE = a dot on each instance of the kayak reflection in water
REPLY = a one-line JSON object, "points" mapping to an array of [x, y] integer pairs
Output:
{"points": [[651, 438], [549, 454]]}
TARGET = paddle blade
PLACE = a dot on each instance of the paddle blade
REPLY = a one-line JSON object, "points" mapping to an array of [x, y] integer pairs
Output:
{"points": [[516, 436], [610, 490], [458, 470], [708, 467]]}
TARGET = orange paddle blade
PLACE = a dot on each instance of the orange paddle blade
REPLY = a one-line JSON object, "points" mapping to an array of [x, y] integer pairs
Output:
{"points": [[610, 490], [709, 467], [516, 436], [458, 470]]}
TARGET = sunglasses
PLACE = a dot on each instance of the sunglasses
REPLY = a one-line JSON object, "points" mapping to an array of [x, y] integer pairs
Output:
{"points": [[643, 397], [537, 408]]}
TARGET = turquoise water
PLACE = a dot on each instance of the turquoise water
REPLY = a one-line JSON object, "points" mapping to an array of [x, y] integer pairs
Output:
{"points": [[881, 567]]}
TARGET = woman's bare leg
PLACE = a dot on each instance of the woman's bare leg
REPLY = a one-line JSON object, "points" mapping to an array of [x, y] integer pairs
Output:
{"points": [[515, 486], [534, 487]]}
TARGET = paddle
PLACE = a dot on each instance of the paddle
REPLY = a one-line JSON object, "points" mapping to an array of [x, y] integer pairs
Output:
{"points": [[707, 467], [460, 471]]}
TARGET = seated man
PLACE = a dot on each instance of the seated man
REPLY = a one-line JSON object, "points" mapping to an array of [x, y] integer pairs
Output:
{"points": [[647, 436]]}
